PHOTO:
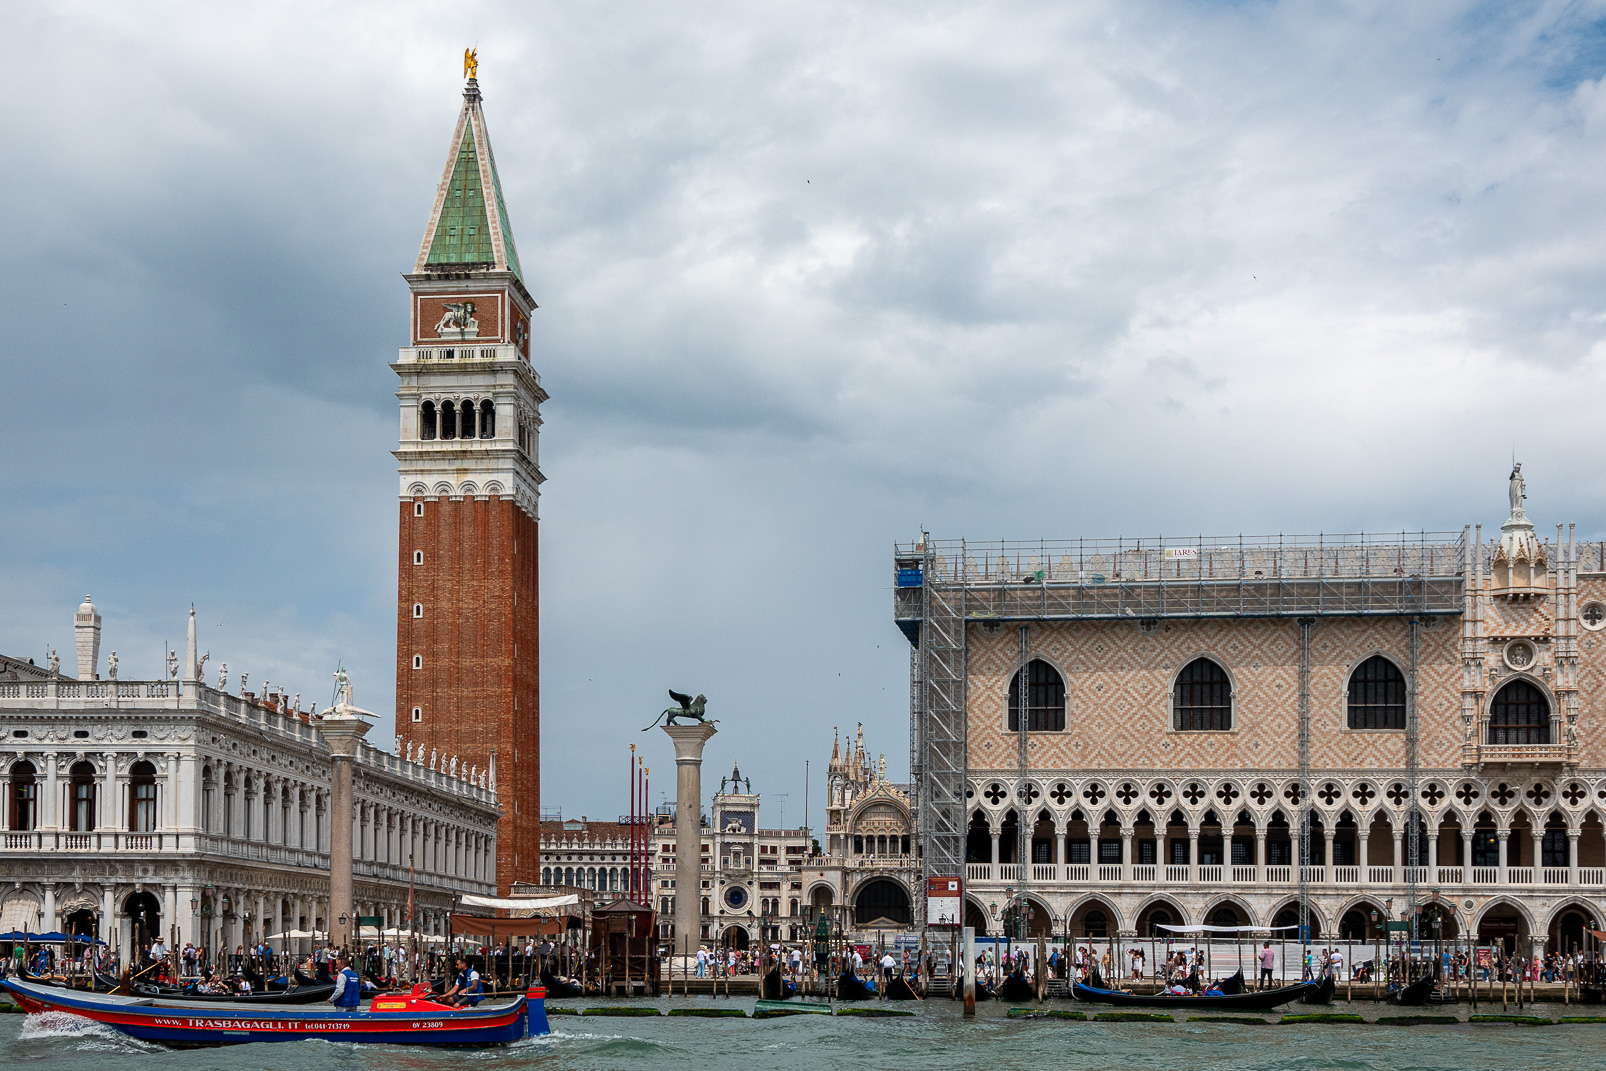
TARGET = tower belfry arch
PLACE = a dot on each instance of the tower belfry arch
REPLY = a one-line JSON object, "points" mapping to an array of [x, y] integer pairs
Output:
{"points": [[467, 616]]}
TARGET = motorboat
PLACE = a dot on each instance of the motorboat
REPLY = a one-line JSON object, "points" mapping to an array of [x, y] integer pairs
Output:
{"points": [[391, 1018]]}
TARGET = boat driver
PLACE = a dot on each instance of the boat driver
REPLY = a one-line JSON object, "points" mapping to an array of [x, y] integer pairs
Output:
{"points": [[468, 990], [348, 987]]}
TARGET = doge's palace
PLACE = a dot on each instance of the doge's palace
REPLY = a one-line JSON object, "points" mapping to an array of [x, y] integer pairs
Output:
{"points": [[1121, 733]]}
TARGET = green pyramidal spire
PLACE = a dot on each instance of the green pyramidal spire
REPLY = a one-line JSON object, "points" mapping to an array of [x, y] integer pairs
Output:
{"points": [[468, 229]]}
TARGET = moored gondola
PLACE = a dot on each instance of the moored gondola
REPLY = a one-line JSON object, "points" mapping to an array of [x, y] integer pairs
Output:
{"points": [[849, 987], [777, 987], [1271, 998], [1016, 988], [307, 994], [1411, 996], [559, 987], [1323, 993], [900, 989]]}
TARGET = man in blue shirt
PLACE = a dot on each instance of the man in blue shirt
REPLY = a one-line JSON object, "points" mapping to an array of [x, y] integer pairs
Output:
{"points": [[468, 990], [348, 987]]}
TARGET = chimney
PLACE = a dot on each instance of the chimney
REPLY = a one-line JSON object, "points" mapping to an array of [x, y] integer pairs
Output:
{"points": [[86, 630]]}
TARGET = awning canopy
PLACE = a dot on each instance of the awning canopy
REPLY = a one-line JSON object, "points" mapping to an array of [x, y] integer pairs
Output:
{"points": [[1222, 929], [496, 929], [547, 904]]}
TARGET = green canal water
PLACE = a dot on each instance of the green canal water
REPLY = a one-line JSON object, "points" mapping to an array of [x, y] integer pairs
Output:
{"points": [[935, 1039]]}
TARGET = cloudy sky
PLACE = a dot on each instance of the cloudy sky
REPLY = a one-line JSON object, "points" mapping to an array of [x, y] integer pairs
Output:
{"points": [[812, 277]]}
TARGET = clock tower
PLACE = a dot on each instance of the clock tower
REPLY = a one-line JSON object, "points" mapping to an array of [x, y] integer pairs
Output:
{"points": [[468, 591]]}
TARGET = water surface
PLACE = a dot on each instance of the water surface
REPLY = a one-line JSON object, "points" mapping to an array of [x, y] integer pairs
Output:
{"points": [[936, 1039]]}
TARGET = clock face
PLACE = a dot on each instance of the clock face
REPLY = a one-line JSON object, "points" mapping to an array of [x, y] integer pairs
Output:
{"points": [[736, 897]]}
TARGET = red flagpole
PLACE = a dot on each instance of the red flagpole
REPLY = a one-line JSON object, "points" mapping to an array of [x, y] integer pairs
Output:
{"points": [[631, 880]]}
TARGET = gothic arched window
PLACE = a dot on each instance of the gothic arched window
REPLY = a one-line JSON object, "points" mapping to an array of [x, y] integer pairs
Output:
{"points": [[487, 420], [1519, 714], [1045, 699], [1202, 698], [24, 796], [142, 798], [426, 421], [1377, 695]]}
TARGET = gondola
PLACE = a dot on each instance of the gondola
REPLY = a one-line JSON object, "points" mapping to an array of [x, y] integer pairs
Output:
{"points": [[1271, 998], [401, 1019], [559, 987], [1323, 993], [983, 990], [323, 977], [306, 994], [900, 989], [848, 987], [1016, 988], [776, 987], [1411, 996]]}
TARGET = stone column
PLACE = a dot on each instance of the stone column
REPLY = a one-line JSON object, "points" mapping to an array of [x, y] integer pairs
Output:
{"points": [[994, 833], [1466, 855], [1128, 852], [1537, 843], [1399, 856], [343, 731], [1433, 857], [1193, 856], [1572, 856], [688, 741], [1502, 835], [1363, 839], [49, 922], [1260, 855], [1327, 860]]}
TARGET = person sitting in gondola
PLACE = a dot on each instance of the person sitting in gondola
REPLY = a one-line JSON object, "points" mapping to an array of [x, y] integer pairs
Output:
{"points": [[348, 987], [243, 985]]}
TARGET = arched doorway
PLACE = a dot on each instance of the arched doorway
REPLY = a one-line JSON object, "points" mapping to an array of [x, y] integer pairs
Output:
{"points": [[735, 938], [1039, 920], [1567, 928], [882, 903], [1356, 925], [1503, 923], [80, 923], [1289, 916], [975, 917], [1155, 916], [1227, 915], [145, 913], [1094, 919]]}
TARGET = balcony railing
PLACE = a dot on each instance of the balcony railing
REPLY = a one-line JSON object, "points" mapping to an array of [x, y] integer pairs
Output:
{"points": [[1278, 874]]}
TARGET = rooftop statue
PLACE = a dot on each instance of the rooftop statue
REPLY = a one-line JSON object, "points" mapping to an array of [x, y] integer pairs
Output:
{"points": [[471, 62], [689, 708], [1518, 489]]}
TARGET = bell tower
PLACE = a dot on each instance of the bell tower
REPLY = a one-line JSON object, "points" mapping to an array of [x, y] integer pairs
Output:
{"points": [[468, 592]]}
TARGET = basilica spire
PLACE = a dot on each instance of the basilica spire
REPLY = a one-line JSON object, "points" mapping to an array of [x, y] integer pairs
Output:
{"points": [[468, 228]]}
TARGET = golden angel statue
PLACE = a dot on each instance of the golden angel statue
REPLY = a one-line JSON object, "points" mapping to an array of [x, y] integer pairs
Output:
{"points": [[471, 62]]}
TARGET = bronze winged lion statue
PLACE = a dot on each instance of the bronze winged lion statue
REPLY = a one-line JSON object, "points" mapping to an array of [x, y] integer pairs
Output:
{"points": [[689, 708]]}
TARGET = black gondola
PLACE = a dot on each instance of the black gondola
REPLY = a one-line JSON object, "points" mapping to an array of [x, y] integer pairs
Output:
{"points": [[557, 987], [1233, 984], [983, 990], [307, 994], [900, 989], [323, 977], [1271, 998], [777, 987], [1015, 988], [1323, 993], [1411, 996], [848, 987]]}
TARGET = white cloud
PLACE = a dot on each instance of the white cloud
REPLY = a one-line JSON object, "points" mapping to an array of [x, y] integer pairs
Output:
{"points": [[811, 277]]}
